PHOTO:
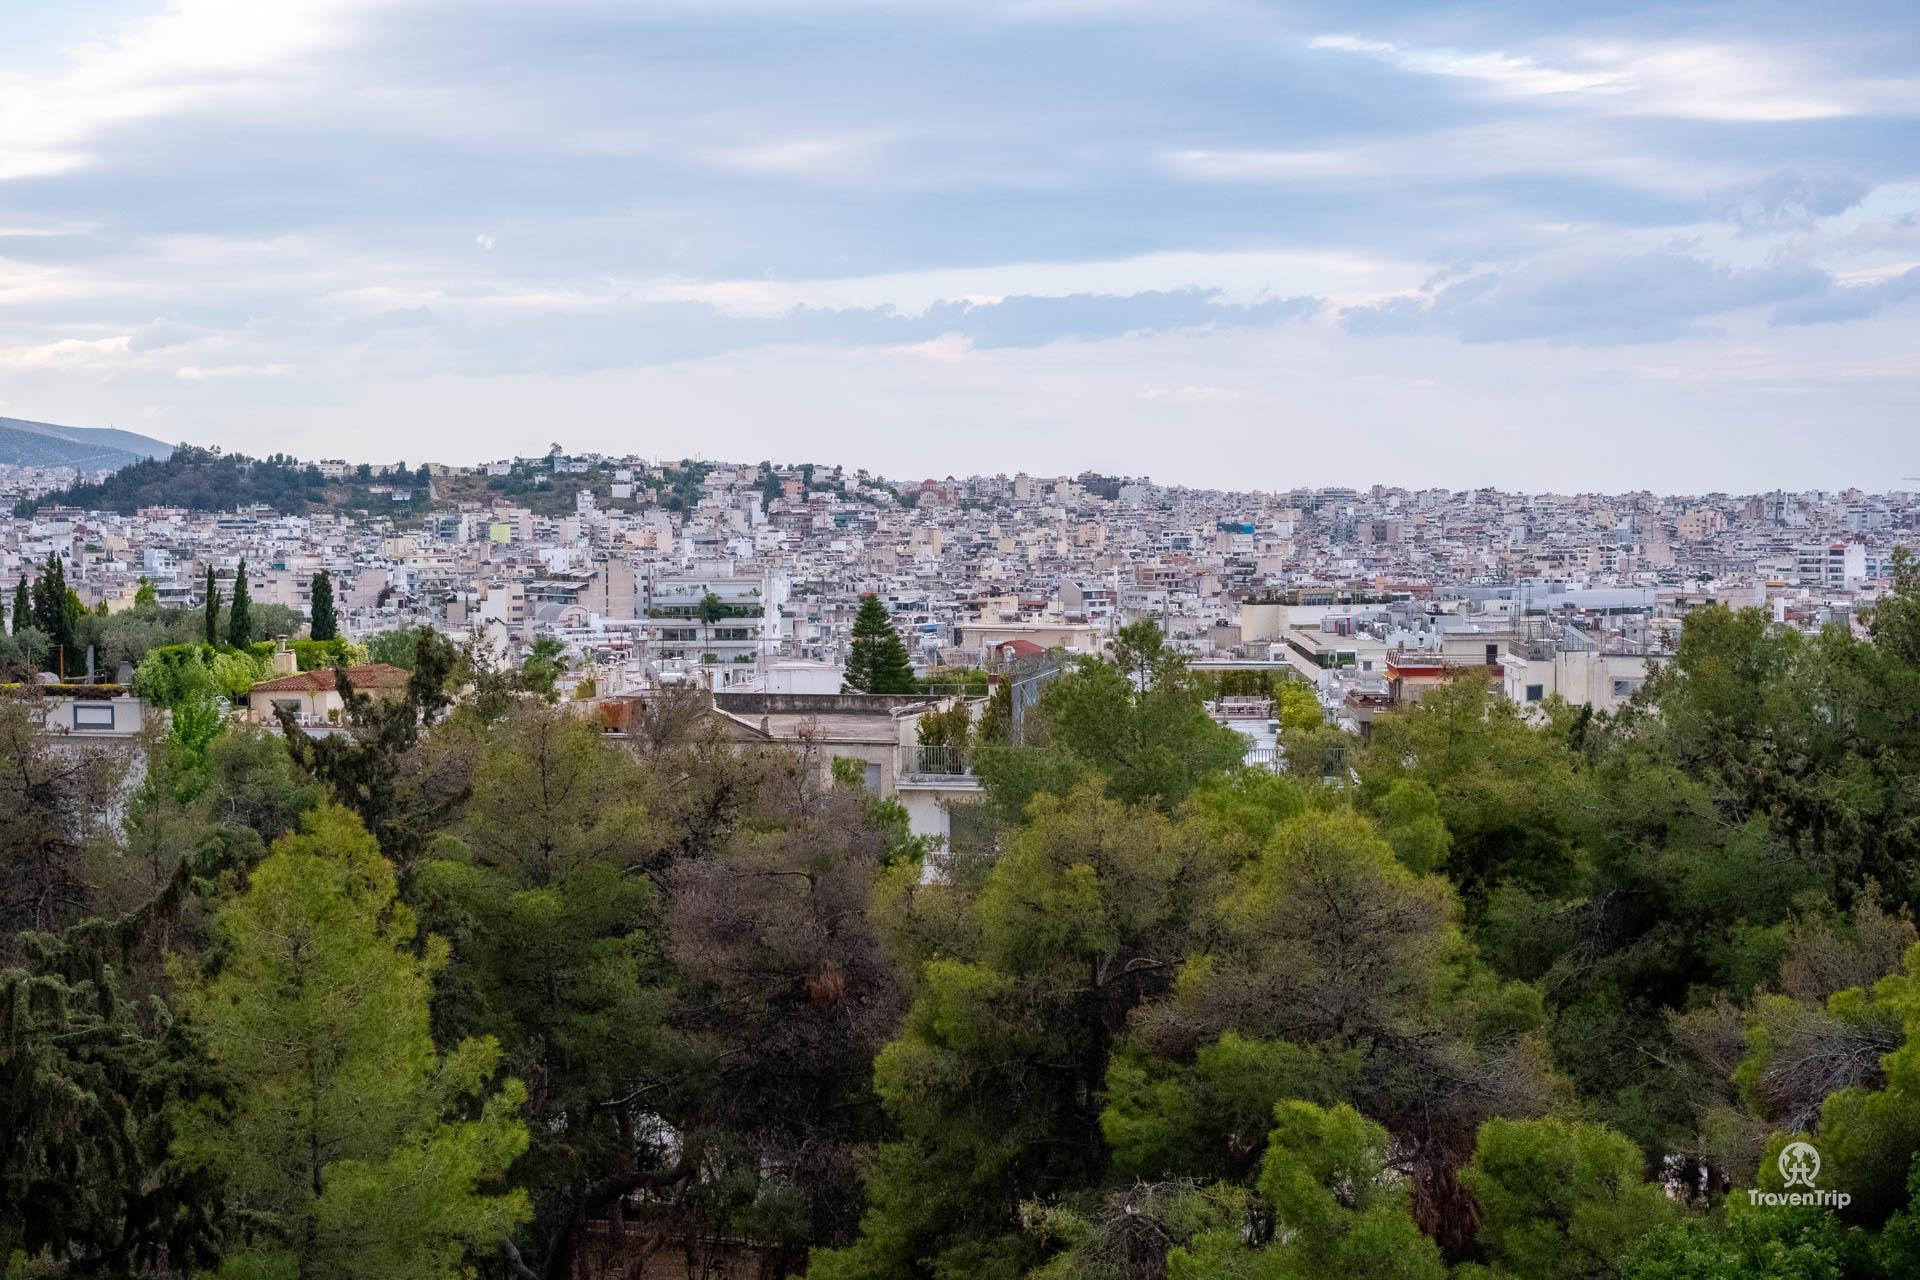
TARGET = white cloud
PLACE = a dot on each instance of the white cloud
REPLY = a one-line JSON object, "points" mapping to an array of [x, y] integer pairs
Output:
{"points": [[837, 156], [1615, 150], [194, 373], [1507, 73], [192, 51], [69, 353], [1683, 79]]}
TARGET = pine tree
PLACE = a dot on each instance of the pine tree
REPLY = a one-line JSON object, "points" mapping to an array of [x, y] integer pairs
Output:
{"points": [[877, 662], [340, 1136], [325, 625], [22, 606], [213, 609], [240, 613]]}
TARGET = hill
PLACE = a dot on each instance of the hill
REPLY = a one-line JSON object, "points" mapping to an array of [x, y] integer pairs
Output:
{"points": [[201, 479], [42, 444]]}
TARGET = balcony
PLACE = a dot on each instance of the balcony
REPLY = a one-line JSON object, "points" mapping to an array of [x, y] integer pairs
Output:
{"points": [[927, 764], [1272, 759]]}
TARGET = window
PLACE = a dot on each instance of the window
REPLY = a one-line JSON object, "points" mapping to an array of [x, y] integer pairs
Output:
{"points": [[92, 715], [1493, 655], [871, 779], [1625, 688], [1535, 692]]}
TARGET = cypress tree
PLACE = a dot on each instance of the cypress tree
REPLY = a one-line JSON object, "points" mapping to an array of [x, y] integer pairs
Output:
{"points": [[240, 613], [877, 661], [55, 608], [213, 609], [22, 606], [325, 625]]}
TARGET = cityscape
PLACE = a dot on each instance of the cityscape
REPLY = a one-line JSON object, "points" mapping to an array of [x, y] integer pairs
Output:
{"points": [[967, 640], [746, 581]]}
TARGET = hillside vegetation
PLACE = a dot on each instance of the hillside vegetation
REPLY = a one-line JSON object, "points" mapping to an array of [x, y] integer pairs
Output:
{"points": [[203, 479]]}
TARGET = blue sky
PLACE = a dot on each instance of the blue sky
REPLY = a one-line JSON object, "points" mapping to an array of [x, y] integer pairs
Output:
{"points": [[1250, 245]]}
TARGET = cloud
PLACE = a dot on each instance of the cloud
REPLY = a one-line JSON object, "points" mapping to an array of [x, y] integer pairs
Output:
{"points": [[1025, 321], [1786, 200], [645, 333], [1690, 80], [838, 186], [1855, 303], [67, 353], [1508, 74], [191, 52], [192, 373], [1588, 299]]}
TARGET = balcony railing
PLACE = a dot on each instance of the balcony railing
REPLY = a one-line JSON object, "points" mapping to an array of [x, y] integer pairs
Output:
{"points": [[935, 762]]}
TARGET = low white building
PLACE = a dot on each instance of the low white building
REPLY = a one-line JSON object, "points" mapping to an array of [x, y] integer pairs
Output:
{"points": [[1573, 667]]}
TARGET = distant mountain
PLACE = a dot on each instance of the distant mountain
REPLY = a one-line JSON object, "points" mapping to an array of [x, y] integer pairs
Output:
{"points": [[41, 444]]}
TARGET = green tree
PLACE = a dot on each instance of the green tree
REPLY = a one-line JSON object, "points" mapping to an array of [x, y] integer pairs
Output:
{"points": [[379, 768], [1756, 1244], [57, 611], [1894, 622], [950, 728], [398, 648], [325, 626], [1335, 974], [1138, 719], [145, 596], [1501, 783], [211, 594], [90, 1071], [323, 655], [877, 661], [23, 605], [339, 1132], [240, 613], [1563, 1200], [1339, 1210], [995, 1084], [545, 662]]}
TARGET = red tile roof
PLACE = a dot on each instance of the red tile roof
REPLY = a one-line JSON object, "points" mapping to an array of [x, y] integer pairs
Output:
{"points": [[376, 675]]}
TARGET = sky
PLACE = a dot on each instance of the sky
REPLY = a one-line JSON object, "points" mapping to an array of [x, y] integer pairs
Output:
{"points": [[1241, 245]]}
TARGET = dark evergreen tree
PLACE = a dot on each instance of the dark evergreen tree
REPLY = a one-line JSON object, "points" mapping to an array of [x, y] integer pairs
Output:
{"points": [[213, 608], [22, 606], [56, 609], [325, 625], [240, 615], [877, 662]]}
